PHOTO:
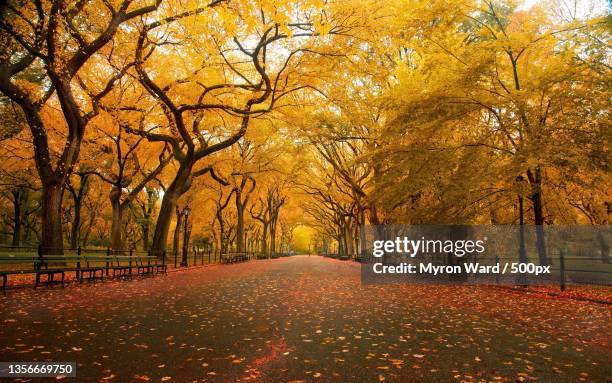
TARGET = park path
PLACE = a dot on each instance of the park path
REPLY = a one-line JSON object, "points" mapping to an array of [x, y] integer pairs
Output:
{"points": [[304, 319]]}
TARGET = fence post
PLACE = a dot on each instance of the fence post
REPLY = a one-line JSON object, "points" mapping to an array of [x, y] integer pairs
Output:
{"points": [[78, 265], [107, 258], [130, 258], [38, 264], [562, 270], [175, 257]]}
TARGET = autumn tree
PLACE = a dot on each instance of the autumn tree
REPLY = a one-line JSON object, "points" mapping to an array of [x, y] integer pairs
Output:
{"points": [[232, 72], [19, 187], [77, 190], [46, 44], [489, 96], [144, 209], [128, 169], [226, 226]]}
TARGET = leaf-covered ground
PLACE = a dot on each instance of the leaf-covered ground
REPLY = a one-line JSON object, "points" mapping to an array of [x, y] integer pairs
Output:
{"points": [[304, 319]]}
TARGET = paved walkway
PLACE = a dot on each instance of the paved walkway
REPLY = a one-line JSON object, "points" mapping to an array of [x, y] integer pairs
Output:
{"points": [[303, 319]]}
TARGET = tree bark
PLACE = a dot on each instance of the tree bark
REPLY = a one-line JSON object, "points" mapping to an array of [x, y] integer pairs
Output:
{"points": [[77, 198], [145, 236], [264, 240], [178, 186], [272, 238], [76, 225], [177, 230], [117, 220], [147, 213], [51, 236], [239, 222], [538, 212], [186, 235], [19, 197], [362, 234]]}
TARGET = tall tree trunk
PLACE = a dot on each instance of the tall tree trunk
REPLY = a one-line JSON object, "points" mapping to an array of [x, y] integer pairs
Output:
{"points": [[538, 212], [51, 236], [349, 239], [77, 198], [18, 200], [145, 236], [171, 196], [362, 234], [272, 238], [264, 240], [239, 222], [356, 238], [177, 230], [146, 222], [87, 231], [76, 225], [186, 234], [117, 219]]}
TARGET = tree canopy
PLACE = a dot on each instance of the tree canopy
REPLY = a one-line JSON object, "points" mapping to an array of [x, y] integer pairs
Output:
{"points": [[291, 125]]}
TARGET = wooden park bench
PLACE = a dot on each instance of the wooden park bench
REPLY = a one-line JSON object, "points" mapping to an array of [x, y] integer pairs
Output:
{"points": [[50, 266], [87, 269], [83, 267], [121, 266], [234, 257], [15, 260], [51, 269], [149, 265], [241, 257]]}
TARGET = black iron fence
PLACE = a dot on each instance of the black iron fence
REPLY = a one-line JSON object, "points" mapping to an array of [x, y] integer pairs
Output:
{"points": [[174, 259]]}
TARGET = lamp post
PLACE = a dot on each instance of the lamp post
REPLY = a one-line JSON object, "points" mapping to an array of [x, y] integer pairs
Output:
{"points": [[186, 212]]}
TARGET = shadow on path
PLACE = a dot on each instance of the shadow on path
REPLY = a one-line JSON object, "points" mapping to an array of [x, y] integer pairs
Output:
{"points": [[303, 319]]}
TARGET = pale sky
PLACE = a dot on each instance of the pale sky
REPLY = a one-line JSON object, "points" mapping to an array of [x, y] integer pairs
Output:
{"points": [[583, 7]]}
